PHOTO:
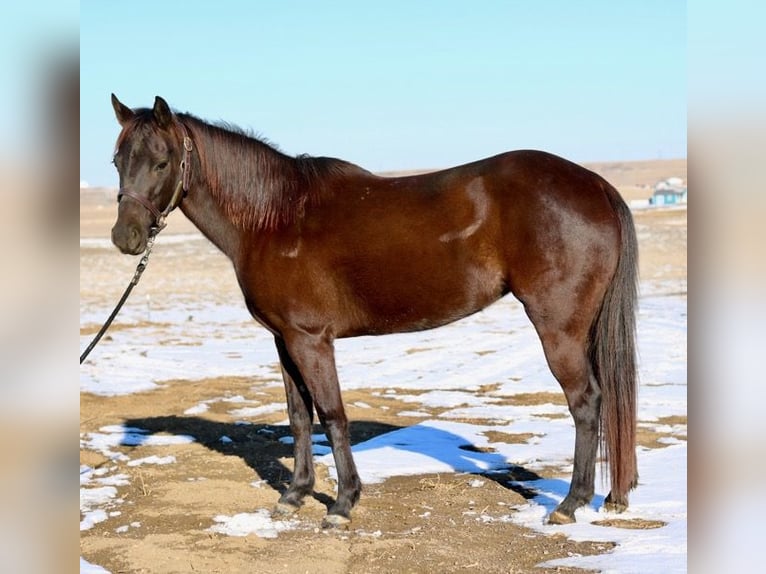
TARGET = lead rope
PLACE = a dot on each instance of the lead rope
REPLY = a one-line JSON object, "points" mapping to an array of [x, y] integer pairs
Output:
{"points": [[133, 282]]}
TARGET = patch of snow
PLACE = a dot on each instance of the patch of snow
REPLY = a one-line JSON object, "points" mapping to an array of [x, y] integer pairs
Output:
{"points": [[197, 409], [258, 411], [437, 399], [117, 435], [428, 447], [663, 478], [88, 568], [259, 523], [420, 414], [236, 399], [91, 518]]}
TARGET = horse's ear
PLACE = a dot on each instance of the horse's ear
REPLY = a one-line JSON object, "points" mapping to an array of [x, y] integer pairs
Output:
{"points": [[124, 113], [162, 112]]}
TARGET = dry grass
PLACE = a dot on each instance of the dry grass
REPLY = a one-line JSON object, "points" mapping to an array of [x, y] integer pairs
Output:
{"points": [[630, 523]]}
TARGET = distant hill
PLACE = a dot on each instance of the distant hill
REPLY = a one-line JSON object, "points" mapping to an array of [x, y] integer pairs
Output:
{"points": [[647, 172]]}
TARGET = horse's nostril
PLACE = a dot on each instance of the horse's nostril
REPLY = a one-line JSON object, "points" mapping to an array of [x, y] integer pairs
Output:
{"points": [[135, 239], [128, 238]]}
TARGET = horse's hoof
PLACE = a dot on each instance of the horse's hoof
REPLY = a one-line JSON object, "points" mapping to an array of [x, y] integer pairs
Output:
{"points": [[285, 509], [335, 521], [615, 507], [558, 517]]}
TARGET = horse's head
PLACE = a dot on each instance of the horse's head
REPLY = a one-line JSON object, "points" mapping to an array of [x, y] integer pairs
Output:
{"points": [[150, 157]]}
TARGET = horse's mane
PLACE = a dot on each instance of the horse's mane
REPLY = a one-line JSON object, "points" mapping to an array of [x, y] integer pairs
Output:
{"points": [[256, 185]]}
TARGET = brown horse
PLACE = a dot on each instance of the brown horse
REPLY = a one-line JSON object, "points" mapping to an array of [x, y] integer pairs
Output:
{"points": [[324, 249]]}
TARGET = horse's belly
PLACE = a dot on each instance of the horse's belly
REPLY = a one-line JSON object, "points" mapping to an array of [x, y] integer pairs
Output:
{"points": [[418, 302]]}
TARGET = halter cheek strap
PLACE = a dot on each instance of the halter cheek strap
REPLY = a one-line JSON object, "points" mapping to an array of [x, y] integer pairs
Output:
{"points": [[182, 188]]}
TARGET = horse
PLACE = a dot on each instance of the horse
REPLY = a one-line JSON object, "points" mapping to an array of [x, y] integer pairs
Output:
{"points": [[324, 249]]}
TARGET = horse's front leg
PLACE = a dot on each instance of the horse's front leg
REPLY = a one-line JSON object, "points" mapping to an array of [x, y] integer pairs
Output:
{"points": [[313, 358], [300, 409]]}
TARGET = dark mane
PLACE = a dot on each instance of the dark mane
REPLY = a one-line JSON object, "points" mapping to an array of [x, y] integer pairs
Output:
{"points": [[256, 185]]}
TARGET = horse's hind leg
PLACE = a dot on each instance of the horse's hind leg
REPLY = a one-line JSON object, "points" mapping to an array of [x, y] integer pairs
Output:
{"points": [[565, 346], [300, 408]]}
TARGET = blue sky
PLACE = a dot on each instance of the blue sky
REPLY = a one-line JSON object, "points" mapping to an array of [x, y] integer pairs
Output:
{"points": [[395, 84]]}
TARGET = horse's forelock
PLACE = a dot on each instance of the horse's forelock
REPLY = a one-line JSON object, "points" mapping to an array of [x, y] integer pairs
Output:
{"points": [[141, 120]]}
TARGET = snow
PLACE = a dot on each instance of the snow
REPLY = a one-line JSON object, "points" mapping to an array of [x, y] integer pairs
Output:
{"points": [[258, 411], [259, 523], [88, 568], [436, 399], [214, 337], [437, 446], [462, 370], [117, 435], [197, 409], [661, 496]]}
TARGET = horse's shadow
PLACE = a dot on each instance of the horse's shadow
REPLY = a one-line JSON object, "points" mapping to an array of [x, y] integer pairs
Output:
{"points": [[262, 447]]}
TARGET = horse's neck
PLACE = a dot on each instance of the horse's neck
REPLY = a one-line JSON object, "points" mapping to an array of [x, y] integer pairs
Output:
{"points": [[211, 209], [200, 207], [203, 211]]}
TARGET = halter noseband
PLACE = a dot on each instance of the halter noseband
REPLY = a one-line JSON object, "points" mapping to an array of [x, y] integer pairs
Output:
{"points": [[182, 188]]}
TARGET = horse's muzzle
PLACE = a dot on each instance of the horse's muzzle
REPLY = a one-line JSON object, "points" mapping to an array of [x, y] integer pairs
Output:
{"points": [[129, 239]]}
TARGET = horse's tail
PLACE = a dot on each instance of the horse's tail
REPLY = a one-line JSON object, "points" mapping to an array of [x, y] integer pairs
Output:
{"points": [[613, 358]]}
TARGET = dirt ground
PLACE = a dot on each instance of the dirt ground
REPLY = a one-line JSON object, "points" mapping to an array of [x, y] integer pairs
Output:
{"points": [[174, 503]]}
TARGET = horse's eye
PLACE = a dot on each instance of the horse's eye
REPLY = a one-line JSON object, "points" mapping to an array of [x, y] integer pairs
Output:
{"points": [[162, 165]]}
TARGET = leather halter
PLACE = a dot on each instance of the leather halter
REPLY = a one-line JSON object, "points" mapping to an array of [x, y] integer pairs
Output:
{"points": [[182, 188]]}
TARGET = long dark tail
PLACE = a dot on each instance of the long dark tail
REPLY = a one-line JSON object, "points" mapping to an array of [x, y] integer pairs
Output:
{"points": [[613, 358]]}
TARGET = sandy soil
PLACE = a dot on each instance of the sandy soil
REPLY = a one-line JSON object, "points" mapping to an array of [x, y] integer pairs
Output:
{"points": [[173, 503]]}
